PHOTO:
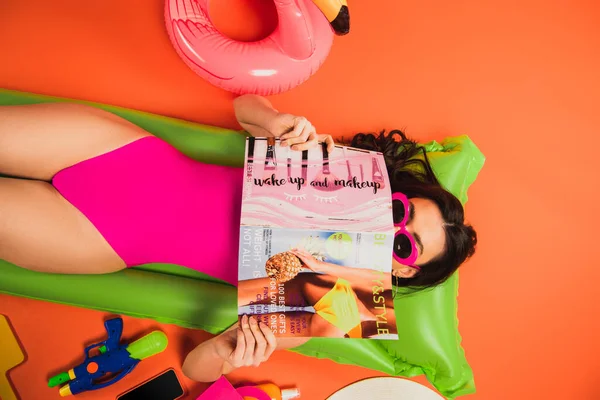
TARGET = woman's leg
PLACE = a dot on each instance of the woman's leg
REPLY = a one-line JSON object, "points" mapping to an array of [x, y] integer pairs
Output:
{"points": [[38, 140], [262, 290], [39, 229], [299, 324], [42, 231], [304, 290]]}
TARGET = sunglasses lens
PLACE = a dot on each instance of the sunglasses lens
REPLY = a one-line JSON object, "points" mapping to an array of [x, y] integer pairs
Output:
{"points": [[402, 246], [398, 210]]}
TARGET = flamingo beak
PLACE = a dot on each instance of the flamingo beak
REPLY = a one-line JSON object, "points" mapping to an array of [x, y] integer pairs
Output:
{"points": [[337, 14]]}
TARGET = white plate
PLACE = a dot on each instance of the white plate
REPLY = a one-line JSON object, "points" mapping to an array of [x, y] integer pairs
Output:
{"points": [[385, 388]]}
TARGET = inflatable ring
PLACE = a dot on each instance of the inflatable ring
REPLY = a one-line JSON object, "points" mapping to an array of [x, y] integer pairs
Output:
{"points": [[286, 58]]}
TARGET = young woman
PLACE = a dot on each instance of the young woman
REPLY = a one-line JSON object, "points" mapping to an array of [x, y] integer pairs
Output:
{"points": [[91, 193]]}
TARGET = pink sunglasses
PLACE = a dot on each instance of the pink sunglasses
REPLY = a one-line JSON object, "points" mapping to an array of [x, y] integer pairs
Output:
{"points": [[405, 246]]}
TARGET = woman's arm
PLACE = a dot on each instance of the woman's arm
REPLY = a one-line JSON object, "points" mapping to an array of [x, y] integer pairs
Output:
{"points": [[363, 278], [249, 344], [256, 115]]}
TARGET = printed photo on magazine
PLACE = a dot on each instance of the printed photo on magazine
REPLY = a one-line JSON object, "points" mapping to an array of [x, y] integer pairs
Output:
{"points": [[316, 239]]}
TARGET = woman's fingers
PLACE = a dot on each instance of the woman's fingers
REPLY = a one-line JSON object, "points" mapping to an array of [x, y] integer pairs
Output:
{"points": [[307, 131], [302, 252], [261, 342], [270, 339], [297, 254], [327, 139], [309, 143], [306, 259], [250, 343], [300, 134], [312, 140], [255, 343], [237, 358], [303, 136], [299, 125]]}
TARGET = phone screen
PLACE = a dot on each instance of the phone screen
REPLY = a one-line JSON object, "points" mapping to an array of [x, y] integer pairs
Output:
{"points": [[165, 386]]}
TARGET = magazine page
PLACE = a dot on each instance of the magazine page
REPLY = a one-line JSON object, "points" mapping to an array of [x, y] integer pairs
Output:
{"points": [[313, 189], [310, 267]]}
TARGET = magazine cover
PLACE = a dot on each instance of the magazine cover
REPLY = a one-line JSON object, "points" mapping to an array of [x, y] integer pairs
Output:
{"points": [[316, 241]]}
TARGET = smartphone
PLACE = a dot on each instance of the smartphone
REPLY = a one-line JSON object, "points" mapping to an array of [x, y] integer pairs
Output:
{"points": [[164, 386]]}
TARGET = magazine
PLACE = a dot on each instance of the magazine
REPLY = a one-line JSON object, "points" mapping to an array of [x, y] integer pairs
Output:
{"points": [[316, 238]]}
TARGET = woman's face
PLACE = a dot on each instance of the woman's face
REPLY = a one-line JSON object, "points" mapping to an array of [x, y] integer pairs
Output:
{"points": [[427, 227]]}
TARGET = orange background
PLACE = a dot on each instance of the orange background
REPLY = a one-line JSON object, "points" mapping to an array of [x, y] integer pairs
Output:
{"points": [[522, 78]]}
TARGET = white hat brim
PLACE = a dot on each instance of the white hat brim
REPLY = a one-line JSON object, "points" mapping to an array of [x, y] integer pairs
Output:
{"points": [[385, 388]]}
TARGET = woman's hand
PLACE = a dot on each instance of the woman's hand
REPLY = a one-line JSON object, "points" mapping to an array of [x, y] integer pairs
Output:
{"points": [[308, 260], [257, 115], [298, 133], [250, 343]]}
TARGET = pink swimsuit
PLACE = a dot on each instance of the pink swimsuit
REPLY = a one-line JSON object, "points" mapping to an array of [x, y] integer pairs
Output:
{"points": [[153, 204]]}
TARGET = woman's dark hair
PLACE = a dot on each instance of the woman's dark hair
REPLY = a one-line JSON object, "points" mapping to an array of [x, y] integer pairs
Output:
{"points": [[410, 173]]}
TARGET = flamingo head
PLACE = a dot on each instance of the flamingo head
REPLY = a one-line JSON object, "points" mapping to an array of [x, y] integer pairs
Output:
{"points": [[337, 14]]}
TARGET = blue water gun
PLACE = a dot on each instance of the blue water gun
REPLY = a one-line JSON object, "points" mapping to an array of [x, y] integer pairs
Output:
{"points": [[113, 359]]}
